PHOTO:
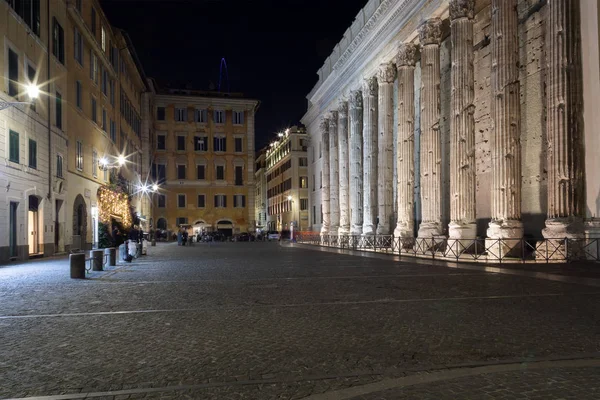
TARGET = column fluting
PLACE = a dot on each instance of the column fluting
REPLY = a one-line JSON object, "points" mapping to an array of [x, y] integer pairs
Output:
{"points": [[370, 89], [334, 175], [344, 172], [385, 192], [356, 162], [325, 202]]}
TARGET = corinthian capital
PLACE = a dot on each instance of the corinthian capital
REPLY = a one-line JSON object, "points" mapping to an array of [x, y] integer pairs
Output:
{"points": [[324, 125], [343, 107], [430, 31], [356, 100], [387, 73], [462, 9], [370, 87], [333, 117], [407, 55]]}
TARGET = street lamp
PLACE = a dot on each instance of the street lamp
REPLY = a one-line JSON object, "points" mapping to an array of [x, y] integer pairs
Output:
{"points": [[292, 221], [33, 91]]}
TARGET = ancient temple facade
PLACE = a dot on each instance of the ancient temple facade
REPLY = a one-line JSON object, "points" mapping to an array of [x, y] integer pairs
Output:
{"points": [[460, 119]]}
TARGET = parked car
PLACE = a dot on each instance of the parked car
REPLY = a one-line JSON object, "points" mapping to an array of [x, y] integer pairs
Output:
{"points": [[244, 237], [273, 235]]}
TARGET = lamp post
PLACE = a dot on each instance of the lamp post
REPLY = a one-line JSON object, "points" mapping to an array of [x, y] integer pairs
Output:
{"points": [[292, 221], [151, 192]]}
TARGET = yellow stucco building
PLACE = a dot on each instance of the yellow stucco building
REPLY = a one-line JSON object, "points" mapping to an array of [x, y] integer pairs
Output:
{"points": [[204, 161]]}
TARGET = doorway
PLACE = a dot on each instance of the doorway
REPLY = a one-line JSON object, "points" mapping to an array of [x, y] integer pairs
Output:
{"points": [[57, 213], [12, 227], [33, 225]]}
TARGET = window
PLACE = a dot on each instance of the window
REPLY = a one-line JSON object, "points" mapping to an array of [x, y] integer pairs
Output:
{"points": [[220, 172], [239, 175], [200, 115], [219, 117], [93, 67], [162, 201], [58, 41], [29, 11], [314, 214], [103, 38], [112, 92], [201, 201], [79, 5], [180, 114], [201, 143], [238, 145], [94, 110], [104, 81], [104, 127], [13, 73], [79, 156], [303, 204], [113, 131], [314, 182], [13, 154], [78, 94], [321, 213], [219, 143], [93, 27], [239, 200], [304, 182], [181, 143], [58, 110], [161, 142], [181, 221], [201, 172], [321, 179], [181, 200], [238, 118], [303, 162], [160, 113], [32, 154], [59, 165], [180, 171], [95, 163], [220, 201], [78, 47]]}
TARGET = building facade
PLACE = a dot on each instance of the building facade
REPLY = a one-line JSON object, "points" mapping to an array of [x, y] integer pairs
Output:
{"points": [[260, 181], [204, 161], [89, 110], [287, 180], [460, 119]]}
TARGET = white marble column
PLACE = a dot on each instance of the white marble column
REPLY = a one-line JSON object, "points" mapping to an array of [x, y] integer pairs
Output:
{"points": [[405, 62], [385, 189], [506, 147], [430, 36], [356, 162], [344, 172], [564, 124], [462, 127], [334, 175], [370, 149], [325, 203]]}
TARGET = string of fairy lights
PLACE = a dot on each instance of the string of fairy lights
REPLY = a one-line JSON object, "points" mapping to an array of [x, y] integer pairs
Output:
{"points": [[113, 203]]}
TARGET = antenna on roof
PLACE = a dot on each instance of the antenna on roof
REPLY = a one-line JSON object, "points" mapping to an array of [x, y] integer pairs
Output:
{"points": [[223, 62]]}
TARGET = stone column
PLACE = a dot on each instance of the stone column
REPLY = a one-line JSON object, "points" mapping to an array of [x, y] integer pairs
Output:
{"points": [[324, 126], [462, 128], [370, 155], [385, 192], [356, 162], [405, 62], [564, 124], [430, 35], [344, 171], [506, 148], [334, 175]]}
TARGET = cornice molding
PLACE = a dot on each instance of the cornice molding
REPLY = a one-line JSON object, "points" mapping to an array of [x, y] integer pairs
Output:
{"points": [[227, 103]]}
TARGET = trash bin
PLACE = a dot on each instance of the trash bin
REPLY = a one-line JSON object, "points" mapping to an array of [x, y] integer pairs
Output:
{"points": [[111, 256], [97, 257], [77, 263]]}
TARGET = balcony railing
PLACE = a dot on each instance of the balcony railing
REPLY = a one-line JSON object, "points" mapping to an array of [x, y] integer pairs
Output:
{"points": [[466, 250]]}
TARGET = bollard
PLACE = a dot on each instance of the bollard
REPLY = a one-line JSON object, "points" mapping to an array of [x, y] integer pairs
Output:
{"points": [[111, 256], [97, 258], [77, 262]]}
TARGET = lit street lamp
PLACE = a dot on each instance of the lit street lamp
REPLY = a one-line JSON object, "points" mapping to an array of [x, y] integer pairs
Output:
{"points": [[33, 91]]}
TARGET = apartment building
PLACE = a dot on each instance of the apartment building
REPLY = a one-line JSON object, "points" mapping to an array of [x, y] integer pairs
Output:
{"points": [[204, 161], [287, 180], [260, 181]]}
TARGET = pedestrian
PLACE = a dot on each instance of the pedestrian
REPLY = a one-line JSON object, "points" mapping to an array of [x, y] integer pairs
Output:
{"points": [[185, 237], [179, 237]]}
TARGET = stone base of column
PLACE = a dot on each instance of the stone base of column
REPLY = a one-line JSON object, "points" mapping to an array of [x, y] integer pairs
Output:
{"points": [[557, 245], [368, 230], [461, 238], [324, 230], [504, 239], [383, 229], [356, 230], [405, 236], [343, 230], [430, 238], [333, 230], [592, 234]]}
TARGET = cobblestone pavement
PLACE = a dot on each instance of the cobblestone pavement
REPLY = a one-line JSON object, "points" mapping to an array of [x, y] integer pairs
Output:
{"points": [[264, 321]]}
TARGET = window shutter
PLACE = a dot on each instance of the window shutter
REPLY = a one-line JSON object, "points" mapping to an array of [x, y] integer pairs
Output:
{"points": [[224, 201], [235, 201], [243, 201], [216, 201]]}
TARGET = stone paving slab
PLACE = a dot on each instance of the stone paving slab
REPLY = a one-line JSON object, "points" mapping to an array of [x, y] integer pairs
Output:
{"points": [[296, 322]]}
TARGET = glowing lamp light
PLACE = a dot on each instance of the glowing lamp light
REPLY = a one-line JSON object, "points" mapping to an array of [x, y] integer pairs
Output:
{"points": [[289, 198], [121, 160], [144, 188], [155, 187], [280, 134], [103, 162], [287, 131], [33, 91]]}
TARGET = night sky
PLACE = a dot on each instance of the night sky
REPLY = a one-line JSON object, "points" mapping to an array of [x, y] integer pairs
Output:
{"points": [[273, 49]]}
